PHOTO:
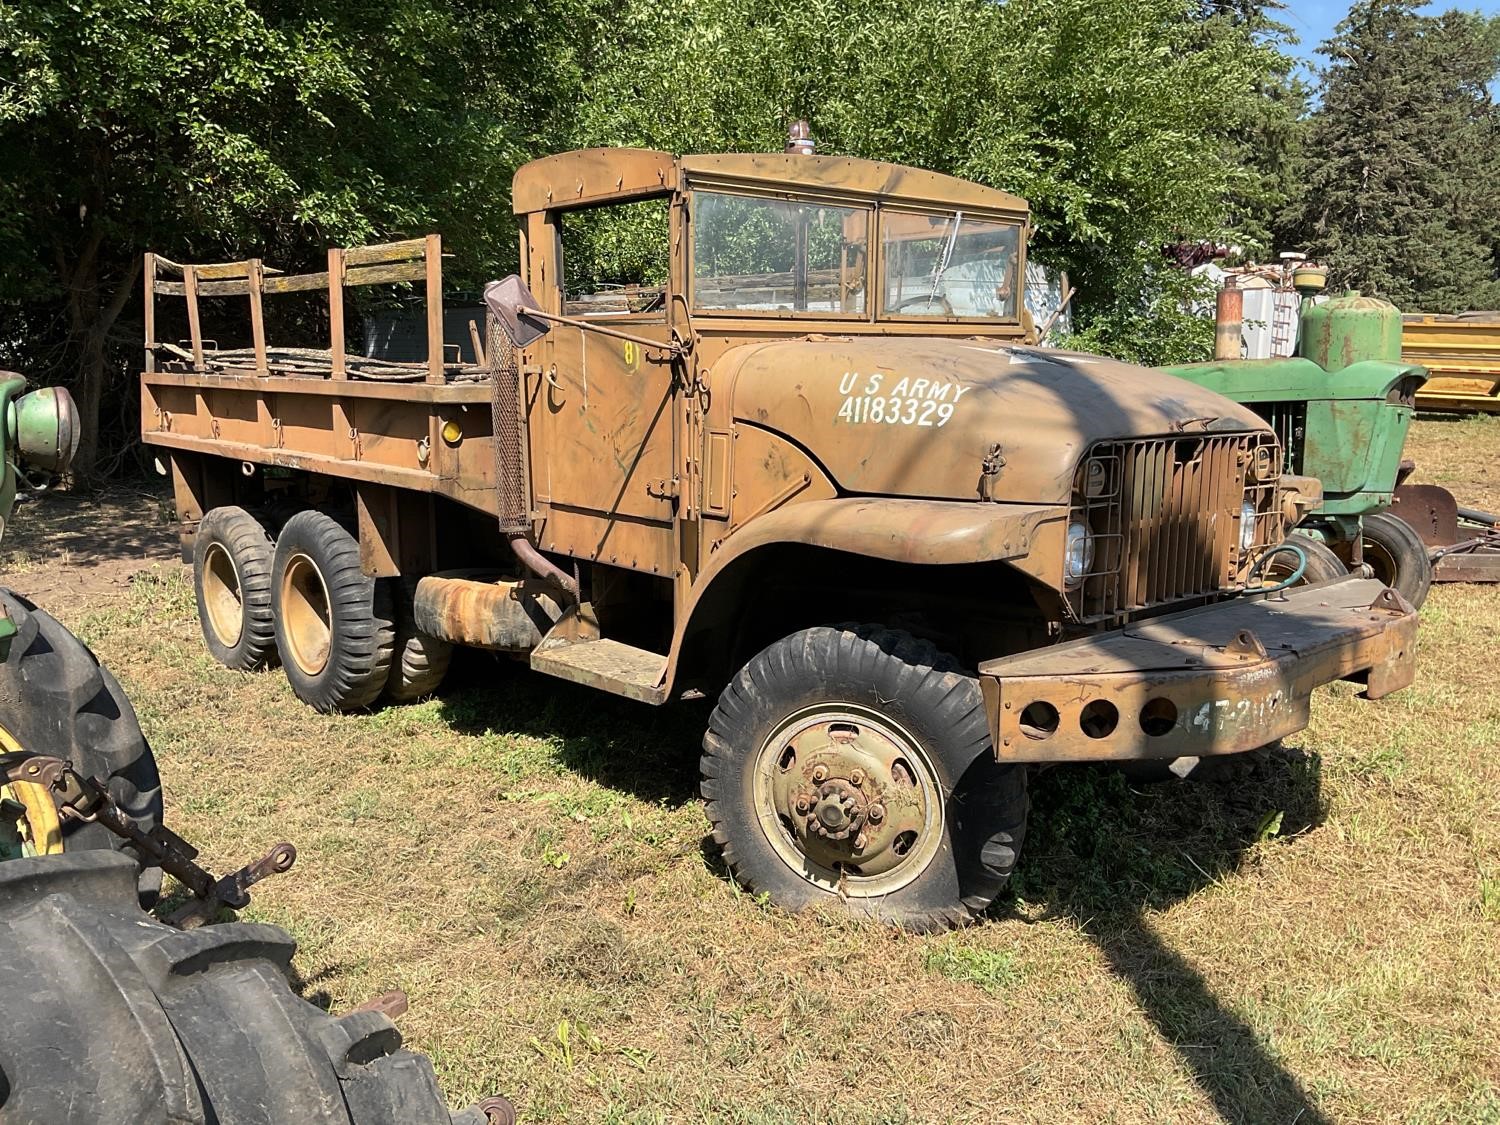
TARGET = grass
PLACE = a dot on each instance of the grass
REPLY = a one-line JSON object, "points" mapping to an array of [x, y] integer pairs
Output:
{"points": [[1307, 936]]}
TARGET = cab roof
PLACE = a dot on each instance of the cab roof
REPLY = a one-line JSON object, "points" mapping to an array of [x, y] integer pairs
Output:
{"points": [[600, 175]]}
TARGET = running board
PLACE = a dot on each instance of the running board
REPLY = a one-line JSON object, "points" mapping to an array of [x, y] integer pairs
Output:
{"points": [[635, 673]]}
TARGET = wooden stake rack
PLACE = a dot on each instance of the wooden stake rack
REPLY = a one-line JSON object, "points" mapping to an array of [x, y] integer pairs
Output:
{"points": [[415, 259]]}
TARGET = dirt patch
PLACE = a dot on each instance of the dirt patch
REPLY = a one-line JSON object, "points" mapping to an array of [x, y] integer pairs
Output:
{"points": [[75, 550]]}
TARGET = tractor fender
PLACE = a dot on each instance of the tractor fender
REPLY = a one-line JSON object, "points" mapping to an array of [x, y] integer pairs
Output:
{"points": [[1028, 537]]}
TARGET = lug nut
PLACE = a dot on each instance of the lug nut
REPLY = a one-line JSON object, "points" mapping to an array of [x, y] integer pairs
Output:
{"points": [[820, 773], [860, 842], [802, 804], [876, 813], [857, 778]]}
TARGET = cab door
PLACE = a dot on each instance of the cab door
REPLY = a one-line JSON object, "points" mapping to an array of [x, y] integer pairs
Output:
{"points": [[600, 410]]}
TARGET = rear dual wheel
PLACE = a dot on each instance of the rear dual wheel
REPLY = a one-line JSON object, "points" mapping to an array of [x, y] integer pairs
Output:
{"points": [[343, 637], [334, 624], [853, 765]]}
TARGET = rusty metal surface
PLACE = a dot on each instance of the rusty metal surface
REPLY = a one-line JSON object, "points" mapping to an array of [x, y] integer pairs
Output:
{"points": [[1464, 544], [1219, 680], [1431, 511], [88, 800], [591, 175], [848, 176], [1166, 513], [484, 611], [952, 401]]}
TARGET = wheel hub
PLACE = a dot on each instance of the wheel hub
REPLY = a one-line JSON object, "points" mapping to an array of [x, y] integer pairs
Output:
{"points": [[855, 800], [838, 809]]}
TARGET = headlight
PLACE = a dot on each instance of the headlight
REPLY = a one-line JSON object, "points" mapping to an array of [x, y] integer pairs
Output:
{"points": [[44, 425], [1247, 525], [1079, 556]]}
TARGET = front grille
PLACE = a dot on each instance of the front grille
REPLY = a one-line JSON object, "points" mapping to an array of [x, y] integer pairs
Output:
{"points": [[1289, 420], [1164, 514]]}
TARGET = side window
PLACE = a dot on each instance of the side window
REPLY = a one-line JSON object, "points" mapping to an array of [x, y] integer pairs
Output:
{"points": [[616, 259], [775, 255]]}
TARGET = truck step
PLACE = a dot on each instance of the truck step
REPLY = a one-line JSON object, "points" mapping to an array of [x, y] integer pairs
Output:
{"points": [[635, 673]]}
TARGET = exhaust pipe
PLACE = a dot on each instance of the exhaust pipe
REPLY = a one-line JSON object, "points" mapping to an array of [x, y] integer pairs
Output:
{"points": [[1229, 320]]}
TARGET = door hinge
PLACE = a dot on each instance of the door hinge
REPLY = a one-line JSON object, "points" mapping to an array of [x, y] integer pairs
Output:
{"points": [[663, 489]]}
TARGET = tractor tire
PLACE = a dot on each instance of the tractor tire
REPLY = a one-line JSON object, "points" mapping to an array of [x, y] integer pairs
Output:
{"points": [[1322, 563], [57, 699], [852, 765], [1397, 555], [111, 1015], [419, 662], [232, 557], [333, 622]]}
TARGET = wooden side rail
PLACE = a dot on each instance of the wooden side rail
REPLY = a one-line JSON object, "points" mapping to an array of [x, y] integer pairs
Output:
{"points": [[414, 259]]}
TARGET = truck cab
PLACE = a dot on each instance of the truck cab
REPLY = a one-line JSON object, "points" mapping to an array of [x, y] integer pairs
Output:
{"points": [[768, 429]]}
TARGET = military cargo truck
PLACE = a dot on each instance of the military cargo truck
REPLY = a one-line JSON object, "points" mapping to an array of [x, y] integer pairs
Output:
{"points": [[800, 461]]}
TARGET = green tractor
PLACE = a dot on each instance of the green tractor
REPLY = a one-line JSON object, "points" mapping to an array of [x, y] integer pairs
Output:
{"points": [[1341, 406], [110, 1013], [55, 698]]}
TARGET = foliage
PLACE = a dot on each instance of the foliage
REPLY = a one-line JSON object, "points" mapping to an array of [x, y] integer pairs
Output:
{"points": [[1113, 119], [219, 128], [1156, 315], [1403, 158]]}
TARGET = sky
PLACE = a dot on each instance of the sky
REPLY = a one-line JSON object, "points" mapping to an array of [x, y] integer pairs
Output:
{"points": [[1313, 21]]}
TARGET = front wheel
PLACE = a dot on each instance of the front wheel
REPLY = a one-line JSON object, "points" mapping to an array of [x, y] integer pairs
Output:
{"points": [[854, 765], [1396, 555], [1322, 564]]}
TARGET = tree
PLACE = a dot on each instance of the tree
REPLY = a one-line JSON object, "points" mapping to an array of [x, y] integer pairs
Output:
{"points": [[219, 128], [1402, 159], [1114, 118]]}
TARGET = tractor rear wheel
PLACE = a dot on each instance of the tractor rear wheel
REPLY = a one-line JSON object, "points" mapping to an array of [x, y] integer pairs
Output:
{"points": [[1397, 555], [57, 699], [333, 622], [853, 765], [112, 1016], [232, 555]]}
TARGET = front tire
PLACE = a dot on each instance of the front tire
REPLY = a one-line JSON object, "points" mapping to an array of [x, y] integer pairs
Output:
{"points": [[854, 765], [1397, 555], [1322, 564], [333, 622]]}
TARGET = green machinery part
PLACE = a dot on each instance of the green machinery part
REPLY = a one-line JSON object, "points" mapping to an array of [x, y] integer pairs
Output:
{"points": [[1341, 406], [39, 435]]}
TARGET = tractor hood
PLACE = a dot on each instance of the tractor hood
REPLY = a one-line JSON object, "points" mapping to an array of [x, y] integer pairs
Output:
{"points": [[919, 417]]}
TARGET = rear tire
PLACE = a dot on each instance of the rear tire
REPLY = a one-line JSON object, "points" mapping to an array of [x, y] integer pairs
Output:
{"points": [[333, 622], [112, 1016], [57, 699], [1397, 555], [829, 725], [420, 662], [232, 577]]}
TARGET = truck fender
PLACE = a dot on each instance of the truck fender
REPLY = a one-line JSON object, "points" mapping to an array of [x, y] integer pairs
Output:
{"points": [[919, 532]]}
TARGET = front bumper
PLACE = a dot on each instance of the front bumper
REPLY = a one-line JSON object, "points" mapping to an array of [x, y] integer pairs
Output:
{"points": [[1216, 680]]}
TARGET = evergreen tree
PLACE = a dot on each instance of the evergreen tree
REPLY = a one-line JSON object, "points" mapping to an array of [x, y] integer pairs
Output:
{"points": [[1402, 158]]}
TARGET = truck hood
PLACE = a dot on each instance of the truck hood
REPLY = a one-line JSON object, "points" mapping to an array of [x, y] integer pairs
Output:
{"points": [[918, 416]]}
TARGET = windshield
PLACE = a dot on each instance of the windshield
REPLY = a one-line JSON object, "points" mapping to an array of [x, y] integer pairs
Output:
{"points": [[756, 254], [949, 265]]}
